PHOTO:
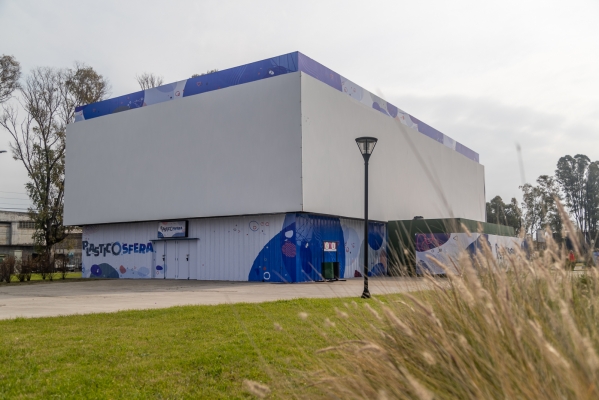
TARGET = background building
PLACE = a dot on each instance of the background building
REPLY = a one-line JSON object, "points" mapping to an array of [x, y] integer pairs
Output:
{"points": [[253, 169], [16, 239], [16, 230]]}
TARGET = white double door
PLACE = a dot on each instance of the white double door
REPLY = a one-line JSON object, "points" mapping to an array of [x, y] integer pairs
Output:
{"points": [[175, 257]]}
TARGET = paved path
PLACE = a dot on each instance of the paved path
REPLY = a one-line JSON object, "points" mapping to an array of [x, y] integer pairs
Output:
{"points": [[47, 299]]}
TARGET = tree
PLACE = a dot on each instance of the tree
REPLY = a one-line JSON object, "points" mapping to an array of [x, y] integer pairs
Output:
{"points": [[531, 206], [204, 73], [504, 214], [148, 80], [513, 215], [592, 200], [83, 86], [48, 98], [539, 205], [578, 179], [10, 73], [550, 196]]}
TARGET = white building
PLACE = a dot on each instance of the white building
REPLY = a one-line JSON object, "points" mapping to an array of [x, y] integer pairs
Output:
{"points": [[257, 166], [16, 239], [16, 230]]}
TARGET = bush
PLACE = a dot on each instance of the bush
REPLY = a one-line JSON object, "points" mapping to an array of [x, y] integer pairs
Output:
{"points": [[61, 267], [24, 269], [45, 267]]}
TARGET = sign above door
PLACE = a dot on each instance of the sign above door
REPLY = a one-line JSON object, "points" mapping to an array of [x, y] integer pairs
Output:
{"points": [[172, 229]]}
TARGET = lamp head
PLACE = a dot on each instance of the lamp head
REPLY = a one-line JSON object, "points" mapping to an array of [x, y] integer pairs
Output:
{"points": [[366, 145]]}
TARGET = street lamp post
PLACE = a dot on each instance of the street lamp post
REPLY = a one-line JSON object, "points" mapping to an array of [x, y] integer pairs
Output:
{"points": [[366, 145]]}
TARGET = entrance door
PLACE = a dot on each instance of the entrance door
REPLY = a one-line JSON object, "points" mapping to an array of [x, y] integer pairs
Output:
{"points": [[159, 259], [170, 268], [193, 251], [183, 259]]}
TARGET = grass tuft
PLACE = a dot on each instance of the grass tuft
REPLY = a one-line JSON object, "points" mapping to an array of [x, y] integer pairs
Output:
{"points": [[522, 328]]}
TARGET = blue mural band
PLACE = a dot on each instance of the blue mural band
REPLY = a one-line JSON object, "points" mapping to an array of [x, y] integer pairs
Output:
{"points": [[264, 69]]}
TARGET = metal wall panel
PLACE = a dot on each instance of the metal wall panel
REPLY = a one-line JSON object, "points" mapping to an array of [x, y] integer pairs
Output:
{"points": [[409, 174], [125, 257], [225, 248], [234, 151], [353, 233], [295, 254], [269, 248], [229, 246]]}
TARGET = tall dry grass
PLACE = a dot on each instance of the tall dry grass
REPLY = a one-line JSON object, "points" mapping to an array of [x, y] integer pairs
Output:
{"points": [[525, 329]]}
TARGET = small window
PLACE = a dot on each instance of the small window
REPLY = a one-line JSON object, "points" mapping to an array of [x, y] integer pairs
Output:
{"points": [[26, 225]]}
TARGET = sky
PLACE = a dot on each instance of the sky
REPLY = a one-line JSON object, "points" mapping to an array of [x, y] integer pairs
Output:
{"points": [[492, 75]]}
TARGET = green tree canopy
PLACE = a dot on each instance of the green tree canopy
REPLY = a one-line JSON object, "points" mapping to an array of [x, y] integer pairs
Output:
{"points": [[540, 206], [578, 179], [504, 214]]}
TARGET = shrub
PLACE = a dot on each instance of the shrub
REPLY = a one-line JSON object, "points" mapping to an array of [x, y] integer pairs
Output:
{"points": [[50, 270], [7, 269], [23, 270], [61, 267], [45, 266], [20, 270]]}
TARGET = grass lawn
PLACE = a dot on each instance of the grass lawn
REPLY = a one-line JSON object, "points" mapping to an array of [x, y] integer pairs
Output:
{"points": [[180, 352]]}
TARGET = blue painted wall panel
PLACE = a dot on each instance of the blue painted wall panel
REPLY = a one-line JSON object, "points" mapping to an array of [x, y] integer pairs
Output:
{"points": [[295, 254]]}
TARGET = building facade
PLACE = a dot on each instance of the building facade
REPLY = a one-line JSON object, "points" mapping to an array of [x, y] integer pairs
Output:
{"points": [[16, 240], [257, 168], [268, 247], [16, 230]]}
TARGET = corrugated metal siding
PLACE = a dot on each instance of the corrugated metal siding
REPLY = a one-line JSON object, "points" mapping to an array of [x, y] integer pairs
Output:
{"points": [[270, 248], [353, 233], [312, 231], [302, 262], [229, 246], [126, 264]]}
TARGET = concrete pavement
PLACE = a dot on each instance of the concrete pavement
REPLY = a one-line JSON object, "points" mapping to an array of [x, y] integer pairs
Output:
{"points": [[46, 299]]}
